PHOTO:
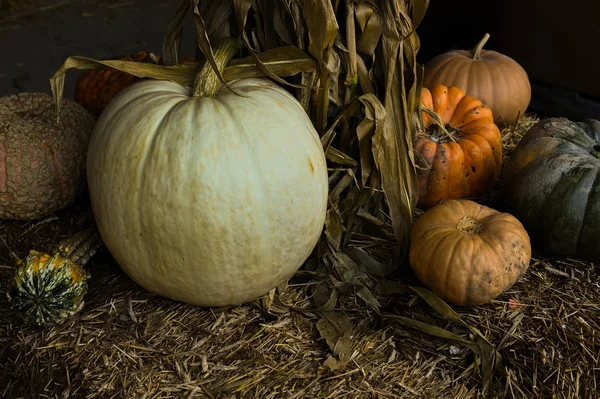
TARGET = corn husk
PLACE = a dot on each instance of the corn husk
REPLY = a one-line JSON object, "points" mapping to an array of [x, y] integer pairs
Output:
{"points": [[352, 65]]}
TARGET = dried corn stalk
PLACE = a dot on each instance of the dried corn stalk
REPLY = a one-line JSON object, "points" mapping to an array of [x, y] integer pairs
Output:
{"points": [[352, 65]]}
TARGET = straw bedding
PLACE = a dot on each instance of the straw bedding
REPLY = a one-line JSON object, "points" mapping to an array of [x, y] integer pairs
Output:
{"points": [[129, 343]]}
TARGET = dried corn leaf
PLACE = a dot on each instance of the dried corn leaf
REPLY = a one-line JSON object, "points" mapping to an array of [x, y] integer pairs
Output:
{"points": [[281, 61], [323, 297], [370, 126], [392, 146], [490, 357], [335, 155], [352, 273], [284, 61], [334, 229], [336, 328], [369, 19], [279, 22], [322, 26], [392, 288], [172, 42], [364, 80], [347, 112], [419, 9], [345, 182], [371, 265], [204, 42], [241, 8]]}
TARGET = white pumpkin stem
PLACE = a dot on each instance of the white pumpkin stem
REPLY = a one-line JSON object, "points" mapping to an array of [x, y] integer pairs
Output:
{"points": [[438, 121], [207, 82], [479, 47]]}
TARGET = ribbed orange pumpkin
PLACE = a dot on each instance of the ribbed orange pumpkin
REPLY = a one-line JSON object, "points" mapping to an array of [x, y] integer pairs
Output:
{"points": [[494, 78], [96, 87], [467, 253], [465, 159]]}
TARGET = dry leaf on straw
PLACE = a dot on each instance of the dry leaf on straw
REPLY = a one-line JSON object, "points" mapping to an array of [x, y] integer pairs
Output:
{"points": [[486, 353], [336, 328]]}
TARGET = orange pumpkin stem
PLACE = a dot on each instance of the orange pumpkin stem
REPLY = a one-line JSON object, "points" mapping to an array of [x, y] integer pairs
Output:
{"points": [[207, 82], [438, 121], [479, 47], [469, 225]]}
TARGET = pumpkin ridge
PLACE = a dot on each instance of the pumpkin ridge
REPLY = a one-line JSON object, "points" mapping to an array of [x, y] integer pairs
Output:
{"points": [[435, 78], [456, 172], [488, 82], [151, 148], [460, 65], [587, 208], [485, 238], [471, 276], [545, 158], [551, 198], [447, 234], [464, 112], [509, 81], [589, 222], [555, 196], [247, 135], [454, 243], [423, 236]]}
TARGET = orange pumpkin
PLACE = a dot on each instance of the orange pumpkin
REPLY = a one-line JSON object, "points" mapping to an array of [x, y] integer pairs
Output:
{"points": [[467, 253], [460, 155], [96, 87], [497, 80]]}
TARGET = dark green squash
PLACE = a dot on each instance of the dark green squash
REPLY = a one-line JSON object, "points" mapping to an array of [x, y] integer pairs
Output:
{"points": [[552, 180], [48, 288]]}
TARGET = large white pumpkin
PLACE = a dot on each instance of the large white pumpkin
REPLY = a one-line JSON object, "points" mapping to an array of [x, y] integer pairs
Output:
{"points": [[212, 200]]}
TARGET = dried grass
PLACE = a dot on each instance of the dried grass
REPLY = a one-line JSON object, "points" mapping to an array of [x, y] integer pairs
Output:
{"points": [[129, 343]]}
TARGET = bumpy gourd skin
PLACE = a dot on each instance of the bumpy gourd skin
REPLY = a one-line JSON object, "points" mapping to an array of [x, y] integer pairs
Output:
{"points": [[467, 253], [48, 288], [466, 167], [42, 162], [552, 180]]}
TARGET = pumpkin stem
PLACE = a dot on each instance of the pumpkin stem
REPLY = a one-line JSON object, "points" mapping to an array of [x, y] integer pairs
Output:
{"points": [[596, 152], [469, 225], [438, 121], [207, 82], [477, 50]]}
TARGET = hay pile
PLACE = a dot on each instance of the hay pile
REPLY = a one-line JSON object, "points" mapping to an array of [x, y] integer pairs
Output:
{"points": [[129, 343]]}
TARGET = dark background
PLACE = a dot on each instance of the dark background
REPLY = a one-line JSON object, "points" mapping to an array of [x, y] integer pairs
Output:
{"points": [[555, 41]]}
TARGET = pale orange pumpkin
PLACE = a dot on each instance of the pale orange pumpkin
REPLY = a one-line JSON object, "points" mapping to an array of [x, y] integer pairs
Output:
{"points": [[467, 253], [497, 80]]}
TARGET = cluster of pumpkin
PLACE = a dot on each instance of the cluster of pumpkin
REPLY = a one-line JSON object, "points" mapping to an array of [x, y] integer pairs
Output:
{"points": [[167, 198], [181, 205], [468, 253]]}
